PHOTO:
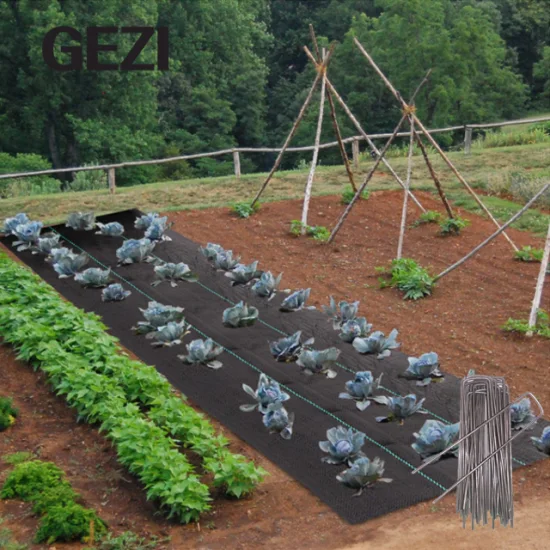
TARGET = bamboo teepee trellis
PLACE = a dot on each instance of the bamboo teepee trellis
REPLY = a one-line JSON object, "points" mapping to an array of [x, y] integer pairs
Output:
{"points": [[329, 92]]}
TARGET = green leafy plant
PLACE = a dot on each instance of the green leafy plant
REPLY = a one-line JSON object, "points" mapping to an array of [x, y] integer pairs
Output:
{"points": [[296, 227], [408, 276], [541, 328], [244, 210], [69, 523], [430, 216], [84, 364], [349, 193], [319, 233], [529, 254], [453, 226], [8, 413]]}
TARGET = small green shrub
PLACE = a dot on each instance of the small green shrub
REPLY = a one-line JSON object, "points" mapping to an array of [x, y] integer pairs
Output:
{"points": [[529, 254], [60, 495], [8, 413], [349, 193], [244, 210], [69, 523], [453, 226], [29, 479], [409, 277], [541, 328], [431, 216]]}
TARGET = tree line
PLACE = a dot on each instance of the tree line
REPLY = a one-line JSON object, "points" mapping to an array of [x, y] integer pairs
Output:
{"points": [[238, 75]]}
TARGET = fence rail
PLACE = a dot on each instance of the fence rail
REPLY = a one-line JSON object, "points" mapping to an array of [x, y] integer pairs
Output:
{"points": [[354, 140]]}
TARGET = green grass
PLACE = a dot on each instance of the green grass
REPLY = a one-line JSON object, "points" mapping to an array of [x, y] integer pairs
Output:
{"points": [[481, 169]]}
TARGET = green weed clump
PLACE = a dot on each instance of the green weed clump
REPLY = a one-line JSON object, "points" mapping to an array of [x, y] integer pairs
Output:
{"points": [[529, 254], [244, 210], [521, 326], [409, 277], [430, 216], [318, 232], [453, 226]]}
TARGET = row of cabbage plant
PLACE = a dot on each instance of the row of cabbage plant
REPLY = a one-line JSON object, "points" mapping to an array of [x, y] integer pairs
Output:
{"points": [[33, 314]]}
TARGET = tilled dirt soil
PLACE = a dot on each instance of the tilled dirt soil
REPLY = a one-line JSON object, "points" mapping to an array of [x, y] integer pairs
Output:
{"points": [[461, 321]]}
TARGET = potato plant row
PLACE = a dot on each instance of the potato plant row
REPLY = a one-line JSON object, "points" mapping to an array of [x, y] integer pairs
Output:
{"points": [[134, 404]]}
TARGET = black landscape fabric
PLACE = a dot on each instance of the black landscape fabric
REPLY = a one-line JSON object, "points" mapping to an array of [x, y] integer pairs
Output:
{"points": [[314, 400]]}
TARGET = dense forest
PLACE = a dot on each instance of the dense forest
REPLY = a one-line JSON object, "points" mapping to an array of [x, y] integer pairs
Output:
{"points": [[238, 75]]}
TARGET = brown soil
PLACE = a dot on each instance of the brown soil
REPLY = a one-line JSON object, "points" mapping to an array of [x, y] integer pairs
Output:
{"points": [[460, 321]]}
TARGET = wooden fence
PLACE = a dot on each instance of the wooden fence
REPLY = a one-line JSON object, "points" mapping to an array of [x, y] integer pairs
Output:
{"points": [[354, 140]]}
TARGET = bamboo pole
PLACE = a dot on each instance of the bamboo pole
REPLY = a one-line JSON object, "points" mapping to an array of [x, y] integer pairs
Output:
{"points": [[320, 74], [356, 123], [237, 164], [434, 176], [405, 194], [540, 285], [309, 185], [397, 95], [495, 234], [335, 124], [367, 179]]}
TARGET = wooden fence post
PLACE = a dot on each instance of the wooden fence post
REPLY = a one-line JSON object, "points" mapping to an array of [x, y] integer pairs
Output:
{"points": [[355, 149], [112, 180], [467, 140], [237, 164]]}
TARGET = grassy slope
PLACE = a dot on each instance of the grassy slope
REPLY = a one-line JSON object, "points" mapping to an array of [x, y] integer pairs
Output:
{"points": [[478, 168]]}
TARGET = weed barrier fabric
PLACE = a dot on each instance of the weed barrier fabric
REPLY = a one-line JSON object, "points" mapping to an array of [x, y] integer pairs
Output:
{"points": [[314, 400]]}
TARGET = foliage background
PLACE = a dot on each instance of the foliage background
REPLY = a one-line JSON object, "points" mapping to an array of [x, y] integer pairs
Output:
{"points": [[238, 76]]}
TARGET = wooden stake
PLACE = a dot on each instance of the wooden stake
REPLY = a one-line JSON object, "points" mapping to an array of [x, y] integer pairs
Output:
{"points": [[367, 179], [467, 140], [540, 285], [237, 164], [111, 179], [406, 195], [309, 185], [496, 233], [434, 176], [320, 73], [356, 123], [397, 95]]}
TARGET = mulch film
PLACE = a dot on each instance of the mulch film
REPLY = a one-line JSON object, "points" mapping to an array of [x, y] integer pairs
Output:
{"points": [[314, 400]]}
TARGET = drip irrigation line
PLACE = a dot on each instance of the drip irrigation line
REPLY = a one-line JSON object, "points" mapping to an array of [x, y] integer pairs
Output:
{"points": [[343, 367], [340, 365], [236, 356]]}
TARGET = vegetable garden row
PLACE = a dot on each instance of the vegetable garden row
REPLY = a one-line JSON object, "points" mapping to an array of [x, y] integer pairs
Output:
{"points": [[316, 408]]}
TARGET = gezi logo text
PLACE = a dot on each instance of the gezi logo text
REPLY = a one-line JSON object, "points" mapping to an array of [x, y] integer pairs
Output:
{"points": [[94, 48]]}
